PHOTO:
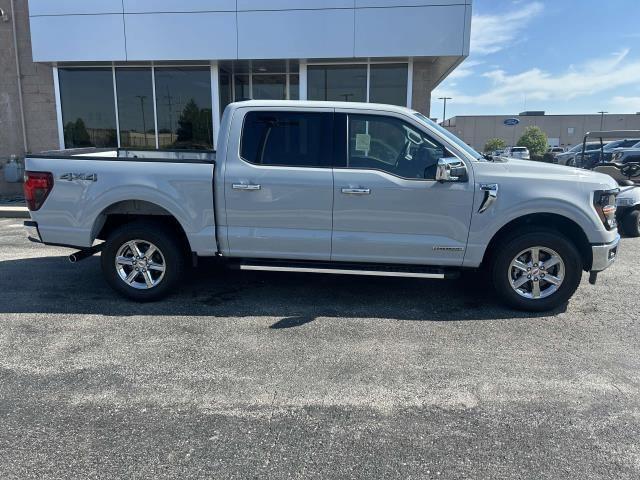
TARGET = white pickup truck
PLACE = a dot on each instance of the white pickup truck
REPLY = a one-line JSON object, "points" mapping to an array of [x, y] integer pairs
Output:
{"points": [[327, 187]]}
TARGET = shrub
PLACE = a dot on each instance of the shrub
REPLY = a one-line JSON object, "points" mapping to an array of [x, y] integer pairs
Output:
{"points": [[535, 140], [494, 144]]}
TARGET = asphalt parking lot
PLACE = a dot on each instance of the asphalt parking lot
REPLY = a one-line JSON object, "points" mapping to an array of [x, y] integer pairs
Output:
{"points": [[272, 375]]}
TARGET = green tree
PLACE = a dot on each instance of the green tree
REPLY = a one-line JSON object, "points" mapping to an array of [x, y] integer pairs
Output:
{"points": [[76, 134], [194, 126], [494, 144], [535, 140]]}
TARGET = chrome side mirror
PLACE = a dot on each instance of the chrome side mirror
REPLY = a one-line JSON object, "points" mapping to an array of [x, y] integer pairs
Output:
{"points": [[451, 169]]}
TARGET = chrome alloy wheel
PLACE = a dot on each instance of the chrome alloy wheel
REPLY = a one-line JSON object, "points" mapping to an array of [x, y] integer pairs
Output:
{"points": [[140, 264], [536, 272]]}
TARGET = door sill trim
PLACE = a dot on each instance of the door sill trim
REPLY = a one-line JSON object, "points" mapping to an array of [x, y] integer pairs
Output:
{"points": [[341, 271]]}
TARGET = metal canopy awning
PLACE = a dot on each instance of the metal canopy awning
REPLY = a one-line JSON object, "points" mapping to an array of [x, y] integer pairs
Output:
{"points": [[614, 134]]}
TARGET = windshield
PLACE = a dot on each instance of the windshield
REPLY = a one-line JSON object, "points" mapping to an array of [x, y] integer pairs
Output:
{"points": [[621, 144], [612, 145], [449, 136]]}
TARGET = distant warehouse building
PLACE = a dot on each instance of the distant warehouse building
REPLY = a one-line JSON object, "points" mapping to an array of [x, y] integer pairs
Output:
{"points": [[562, 130]]}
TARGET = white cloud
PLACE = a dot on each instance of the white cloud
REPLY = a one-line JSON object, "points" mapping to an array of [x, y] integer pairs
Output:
{"points": [[627, 104], [492, 33], [594, 76], [466, 69]]}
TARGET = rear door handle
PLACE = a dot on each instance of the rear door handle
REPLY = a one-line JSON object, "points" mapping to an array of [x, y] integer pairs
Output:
{"points": [[245, 186], [356, 191]]}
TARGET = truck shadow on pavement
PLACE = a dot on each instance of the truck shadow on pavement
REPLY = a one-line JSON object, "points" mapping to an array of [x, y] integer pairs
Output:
{"points": [[53, 285]]}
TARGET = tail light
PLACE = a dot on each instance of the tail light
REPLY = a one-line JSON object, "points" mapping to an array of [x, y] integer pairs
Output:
{"points": [[37, 186], [604, 202]]}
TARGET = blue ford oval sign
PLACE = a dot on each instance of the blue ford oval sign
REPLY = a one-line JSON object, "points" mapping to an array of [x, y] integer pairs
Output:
{"points": [[511, 122]]}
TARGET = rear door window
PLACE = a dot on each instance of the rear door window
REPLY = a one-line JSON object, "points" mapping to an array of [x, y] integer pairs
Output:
{"points": [[288, 139]]}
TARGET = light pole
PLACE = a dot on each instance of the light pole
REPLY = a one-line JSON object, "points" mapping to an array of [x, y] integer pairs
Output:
{"points": [[602, 119], [144, 122], [444, 109]]}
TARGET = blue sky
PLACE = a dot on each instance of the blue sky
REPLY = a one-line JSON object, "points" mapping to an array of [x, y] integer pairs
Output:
{"points": [[560, 56]]}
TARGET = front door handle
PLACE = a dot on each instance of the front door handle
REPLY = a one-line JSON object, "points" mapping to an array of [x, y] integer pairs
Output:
{"points": [[245, 186], [356, 191]]}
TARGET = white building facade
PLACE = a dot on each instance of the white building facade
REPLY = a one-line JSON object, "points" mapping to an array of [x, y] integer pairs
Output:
{"points": [[159, 73]]}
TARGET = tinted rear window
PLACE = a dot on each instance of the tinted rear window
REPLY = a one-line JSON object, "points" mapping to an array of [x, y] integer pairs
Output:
{"points": [[518, 149], [287, 139]]}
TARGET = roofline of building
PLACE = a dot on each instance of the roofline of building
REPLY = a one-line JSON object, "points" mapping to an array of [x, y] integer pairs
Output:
{"points": [[547, 115]]}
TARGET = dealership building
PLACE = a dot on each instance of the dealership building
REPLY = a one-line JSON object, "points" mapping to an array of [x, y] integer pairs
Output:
{"points": [[561, 130], [159, 73]]}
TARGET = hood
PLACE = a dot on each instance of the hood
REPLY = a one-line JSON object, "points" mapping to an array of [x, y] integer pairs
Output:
{"points": [[538, 171]]}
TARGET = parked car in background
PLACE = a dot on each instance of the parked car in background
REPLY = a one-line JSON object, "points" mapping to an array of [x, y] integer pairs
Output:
{"points": [[327, 187], [626, 155], [568, 158], [497, 154], [628, 200], [612, 147], [517, 152], [604, 155], [555, 151]]}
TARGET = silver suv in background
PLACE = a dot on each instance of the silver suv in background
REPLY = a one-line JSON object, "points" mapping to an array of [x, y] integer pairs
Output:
{"points": [[517, 152], [568, 158]]}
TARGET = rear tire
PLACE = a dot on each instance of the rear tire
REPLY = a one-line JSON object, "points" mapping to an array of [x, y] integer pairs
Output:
{"points": [[631, 223], [539, 284], [143, 261]]}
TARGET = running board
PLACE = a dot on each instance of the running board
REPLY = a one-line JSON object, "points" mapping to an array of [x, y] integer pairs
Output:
{"points": [[351, 269]]}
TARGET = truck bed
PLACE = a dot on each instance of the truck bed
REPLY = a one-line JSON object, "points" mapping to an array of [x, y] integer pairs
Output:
{"points": [[91, 184]]}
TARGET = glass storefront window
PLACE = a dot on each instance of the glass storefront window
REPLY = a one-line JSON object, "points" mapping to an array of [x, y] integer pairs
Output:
{"points": [[270, 87], [183, 102], [226, 90], [269, 66], [241, 86], [294, 87], [258, 79], [388, 83], [344, 83], [88, 107], [135, 107]]}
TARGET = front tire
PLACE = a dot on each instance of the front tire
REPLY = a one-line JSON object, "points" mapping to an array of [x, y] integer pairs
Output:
{"points": [[143, 261], [536, 271], [631, 223]]}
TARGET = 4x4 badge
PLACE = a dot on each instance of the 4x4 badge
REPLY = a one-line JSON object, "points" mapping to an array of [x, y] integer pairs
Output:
{"points": [[89, 177]]}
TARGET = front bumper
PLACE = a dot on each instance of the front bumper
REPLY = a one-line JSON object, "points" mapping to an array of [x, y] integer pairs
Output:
{"points": [[32, 231], [604, 255]]}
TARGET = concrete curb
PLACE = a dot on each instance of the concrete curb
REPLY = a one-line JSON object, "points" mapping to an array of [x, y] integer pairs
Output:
{"points": [[13, 212]]}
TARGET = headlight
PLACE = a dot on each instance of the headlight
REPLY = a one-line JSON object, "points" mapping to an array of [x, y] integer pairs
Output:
{"points": [[604, 202], [616, 156]]}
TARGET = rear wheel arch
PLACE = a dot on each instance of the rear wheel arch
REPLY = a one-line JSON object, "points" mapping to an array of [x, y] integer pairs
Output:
{"points": [[543, 222], [128, 211]]}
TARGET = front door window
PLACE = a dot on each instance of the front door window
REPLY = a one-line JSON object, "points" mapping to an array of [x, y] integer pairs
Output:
{"points": [[393, 146]]}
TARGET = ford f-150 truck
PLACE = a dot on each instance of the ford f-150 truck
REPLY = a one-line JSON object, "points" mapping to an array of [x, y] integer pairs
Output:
{"points": [[327, 187]]}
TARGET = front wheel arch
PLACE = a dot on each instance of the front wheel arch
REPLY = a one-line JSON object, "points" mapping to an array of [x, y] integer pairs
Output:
{"points": [[543, 221]]}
